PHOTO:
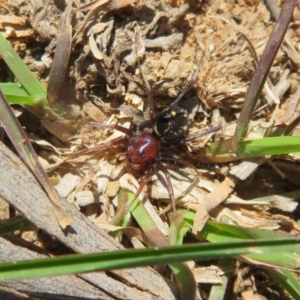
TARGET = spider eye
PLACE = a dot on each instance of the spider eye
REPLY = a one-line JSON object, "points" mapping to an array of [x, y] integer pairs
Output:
{"points": [[142, 154]]}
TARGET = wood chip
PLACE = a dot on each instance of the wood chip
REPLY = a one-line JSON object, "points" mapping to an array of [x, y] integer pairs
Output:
{"points": [[112, 188], [67, 184], [104, 176], [84, 198]]}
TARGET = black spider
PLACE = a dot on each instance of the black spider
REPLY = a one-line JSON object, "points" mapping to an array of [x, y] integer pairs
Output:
{"points": [[148, 145]]}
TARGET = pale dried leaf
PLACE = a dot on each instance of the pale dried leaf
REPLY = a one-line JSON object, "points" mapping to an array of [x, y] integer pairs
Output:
{"points": [[160, 191], [233, 199], [136, 243], [251, 295], [107, 226], [107, 207], [12, 20], [136, 233], [276, 201], [231, 214], [289, 108], [44, 144], [166, 43], [155, 217]]}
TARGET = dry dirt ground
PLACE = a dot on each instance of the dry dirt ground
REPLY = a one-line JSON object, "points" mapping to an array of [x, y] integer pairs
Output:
{"points": [[103, 83]]}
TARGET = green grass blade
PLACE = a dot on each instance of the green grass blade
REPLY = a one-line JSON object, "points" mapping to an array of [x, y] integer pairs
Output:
{"points": [[27, 79], [186, 278], [218, 232], [140, 257], [13, 224], [178, 228], [253, 148], [217, 292], [16, 94], [269, 146], [284, 259], [287, 280]]}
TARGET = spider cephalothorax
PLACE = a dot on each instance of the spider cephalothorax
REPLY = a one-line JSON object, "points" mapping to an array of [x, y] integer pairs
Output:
{"points": [[143, 149]]}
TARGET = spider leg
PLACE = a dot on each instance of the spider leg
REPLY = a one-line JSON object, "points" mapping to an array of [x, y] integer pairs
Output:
{"points": [[154, 118], [162, 168], [145, 180], [174, 157], [149, 94], [100, 147], [179, 97], [107, 145], [186, 88], [127, 131], [137, 40], [196, 136]]}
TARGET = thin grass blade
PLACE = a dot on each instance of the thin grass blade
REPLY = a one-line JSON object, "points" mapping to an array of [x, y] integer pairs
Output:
{"points": [[140, 257], [13, 224], [287, 280], [221, 152], [27, 79], [16, 94], [60, 62], [218, 232]]}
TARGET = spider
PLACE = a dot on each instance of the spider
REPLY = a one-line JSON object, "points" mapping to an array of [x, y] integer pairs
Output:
{"points": [[149, 144]]}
